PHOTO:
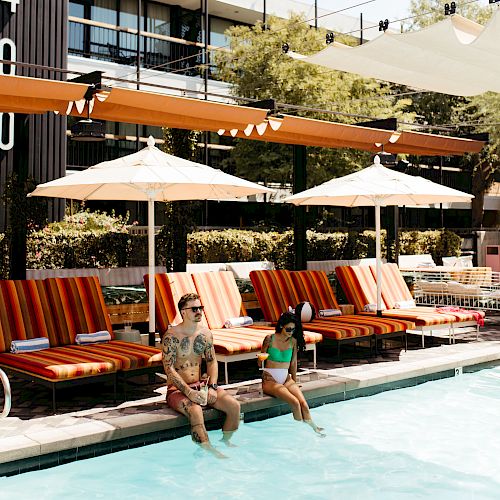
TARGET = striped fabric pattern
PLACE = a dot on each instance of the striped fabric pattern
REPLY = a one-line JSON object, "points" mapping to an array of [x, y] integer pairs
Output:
{"points": [[275, 292], [125, 355], [220, 295], [394, 287], [164, 303], [24, 312], [78, 306], [359, 286], [314, 287], [180, 284], [59, 363], [92, 338]]}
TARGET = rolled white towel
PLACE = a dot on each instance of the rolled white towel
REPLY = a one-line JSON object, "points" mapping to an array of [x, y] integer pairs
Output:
{"points": [[239, 321], [30, 345], [92, 338], [370, 308], [327, 313], [404, 304]]}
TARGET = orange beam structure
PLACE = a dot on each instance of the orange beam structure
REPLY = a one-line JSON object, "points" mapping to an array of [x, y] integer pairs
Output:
{"points": [[31, 95]]}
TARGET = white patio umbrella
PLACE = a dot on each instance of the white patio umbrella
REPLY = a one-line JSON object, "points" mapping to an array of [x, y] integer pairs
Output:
{"points": [[149, 175], [378, 186]]}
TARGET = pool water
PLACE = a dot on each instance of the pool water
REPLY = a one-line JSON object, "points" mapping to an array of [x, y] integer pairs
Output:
{"points": [[439, 440]]}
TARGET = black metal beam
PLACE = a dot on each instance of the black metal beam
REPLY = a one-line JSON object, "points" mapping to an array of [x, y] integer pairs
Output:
{"points": [[299, 213]]}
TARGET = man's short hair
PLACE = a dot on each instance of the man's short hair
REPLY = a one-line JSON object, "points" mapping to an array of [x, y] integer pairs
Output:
{"points": [[187, 297]]}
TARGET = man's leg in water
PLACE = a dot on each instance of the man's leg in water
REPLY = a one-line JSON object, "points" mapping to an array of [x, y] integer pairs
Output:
{"points": [[194, 413], [231, 407]]}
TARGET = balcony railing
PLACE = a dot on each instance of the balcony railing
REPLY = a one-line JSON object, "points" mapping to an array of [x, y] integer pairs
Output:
{"points": [[117, 44]]}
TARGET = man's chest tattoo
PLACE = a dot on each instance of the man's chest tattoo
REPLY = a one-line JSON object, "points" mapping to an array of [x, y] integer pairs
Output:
{"points": [[199, 344], [185, 345]]}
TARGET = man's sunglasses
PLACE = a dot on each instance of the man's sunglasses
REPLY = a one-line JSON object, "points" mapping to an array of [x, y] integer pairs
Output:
{"points": [[195, 309]]}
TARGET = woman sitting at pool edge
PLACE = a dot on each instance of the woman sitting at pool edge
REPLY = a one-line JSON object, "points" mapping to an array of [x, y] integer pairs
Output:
{"points": [[279, 374]]}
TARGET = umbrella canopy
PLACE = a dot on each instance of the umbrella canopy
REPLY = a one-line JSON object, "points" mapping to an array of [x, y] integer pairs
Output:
{"points": [[377, 186], [149, 175]]}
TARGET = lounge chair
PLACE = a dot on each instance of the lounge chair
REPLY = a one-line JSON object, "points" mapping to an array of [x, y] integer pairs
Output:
{"points": [[220, 296], [360, 287], [78, 307], [314, 287], [26, 313], [276, 293]]}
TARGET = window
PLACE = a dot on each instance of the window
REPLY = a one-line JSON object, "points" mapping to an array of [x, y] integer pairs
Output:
{"points": [[217, 28]]}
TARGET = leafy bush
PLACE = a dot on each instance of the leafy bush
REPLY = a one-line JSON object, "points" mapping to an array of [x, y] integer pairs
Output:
{"points": [[86, 239], [242, 245]]}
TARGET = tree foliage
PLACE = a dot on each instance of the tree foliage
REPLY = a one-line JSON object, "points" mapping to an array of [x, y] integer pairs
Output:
{"points": [[257, 68]]}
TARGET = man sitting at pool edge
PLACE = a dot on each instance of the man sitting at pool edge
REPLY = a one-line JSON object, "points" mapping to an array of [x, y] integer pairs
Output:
{"points": [[184, 347]]}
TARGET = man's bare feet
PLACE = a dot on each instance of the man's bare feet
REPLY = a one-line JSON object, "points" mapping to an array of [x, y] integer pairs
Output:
{"points": [[214, 451], [226, 436]]}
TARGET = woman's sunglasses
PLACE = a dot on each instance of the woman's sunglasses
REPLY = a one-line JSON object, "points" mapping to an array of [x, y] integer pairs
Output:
{"points": [[289, 329]]}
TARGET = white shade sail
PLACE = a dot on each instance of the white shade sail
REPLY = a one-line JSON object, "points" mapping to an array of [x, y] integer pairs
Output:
{"points": [[454, 56], [378, 186], [149, 175]]}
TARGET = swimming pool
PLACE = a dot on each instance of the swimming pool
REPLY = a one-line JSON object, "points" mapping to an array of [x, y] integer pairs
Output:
{"points": [[438, 440]]}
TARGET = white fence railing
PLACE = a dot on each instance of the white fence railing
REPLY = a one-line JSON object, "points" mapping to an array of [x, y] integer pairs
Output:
{"points": [[473, 288]]}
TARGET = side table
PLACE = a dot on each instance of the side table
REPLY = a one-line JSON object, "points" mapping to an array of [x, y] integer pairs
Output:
{"points": [[128, 335]]}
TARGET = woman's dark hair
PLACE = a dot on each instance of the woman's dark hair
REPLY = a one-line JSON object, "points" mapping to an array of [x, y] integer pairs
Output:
{"points": [[298, 334]]}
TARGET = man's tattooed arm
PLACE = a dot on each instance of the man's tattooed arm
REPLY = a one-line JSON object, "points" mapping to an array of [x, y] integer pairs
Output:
{"points": [[209, 354]]}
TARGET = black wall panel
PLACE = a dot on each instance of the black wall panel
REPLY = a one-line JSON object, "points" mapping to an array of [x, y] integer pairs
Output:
{"points": [[39, 30]]}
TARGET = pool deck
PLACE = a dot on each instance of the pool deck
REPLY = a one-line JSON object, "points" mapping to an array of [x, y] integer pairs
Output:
{"points": [[31, 438]]}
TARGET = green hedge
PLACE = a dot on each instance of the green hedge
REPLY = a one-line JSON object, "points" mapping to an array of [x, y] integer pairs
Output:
{"points": [[240, 245], [65, 247]]}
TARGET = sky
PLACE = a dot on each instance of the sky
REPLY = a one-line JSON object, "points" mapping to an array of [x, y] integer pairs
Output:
{"points": [[374, 10]]}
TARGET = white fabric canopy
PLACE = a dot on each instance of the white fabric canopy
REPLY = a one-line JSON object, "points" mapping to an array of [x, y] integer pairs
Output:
{"points": [[149, 175], [455, 56], [378, 186]]}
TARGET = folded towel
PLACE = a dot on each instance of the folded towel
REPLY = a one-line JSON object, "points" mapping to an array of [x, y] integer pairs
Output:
{"points": [[240, 321], [327, 313], [404, 304], [30, 345], [92, 338]]}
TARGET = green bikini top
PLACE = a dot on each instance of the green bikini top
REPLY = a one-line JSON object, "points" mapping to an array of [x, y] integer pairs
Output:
{"points": [[279, 356]]}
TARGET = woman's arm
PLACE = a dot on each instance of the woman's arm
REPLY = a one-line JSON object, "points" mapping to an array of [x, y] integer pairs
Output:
{"points": [[292, 369], [265, 347]]}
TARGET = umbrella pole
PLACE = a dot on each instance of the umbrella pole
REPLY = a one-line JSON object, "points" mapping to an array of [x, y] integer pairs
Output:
{"points": [[151, 270], [378, 261]]}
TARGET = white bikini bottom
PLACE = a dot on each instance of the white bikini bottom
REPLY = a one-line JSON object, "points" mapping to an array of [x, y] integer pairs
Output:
{"points": [[279, 374]]}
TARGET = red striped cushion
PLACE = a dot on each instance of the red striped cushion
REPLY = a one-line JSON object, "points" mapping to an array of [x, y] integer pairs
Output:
{"points": [[78, 306], [275, 292], [180, 284], [165, 309], [126, 355], [24, 312], [314, 287], [339, 331], [359, 286], [393, 285], [220, 295], [59, 363]]}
